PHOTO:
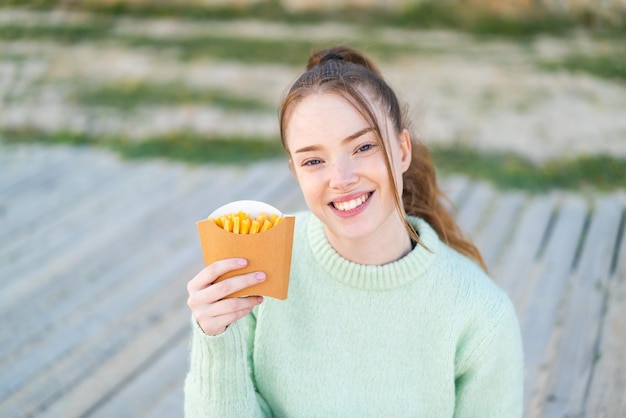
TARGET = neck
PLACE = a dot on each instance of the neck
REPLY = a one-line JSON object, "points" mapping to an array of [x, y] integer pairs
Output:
{"points": [[374, 249]]}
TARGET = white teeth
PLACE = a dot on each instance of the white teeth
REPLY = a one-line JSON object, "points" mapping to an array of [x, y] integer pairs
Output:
{"points": [[351, 204]]}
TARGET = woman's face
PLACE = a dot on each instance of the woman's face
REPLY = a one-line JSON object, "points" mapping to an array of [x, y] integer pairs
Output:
{"points": [[341, 168]]}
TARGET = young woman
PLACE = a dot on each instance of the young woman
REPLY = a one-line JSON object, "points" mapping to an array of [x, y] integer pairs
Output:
{"points": [[390, 312]]}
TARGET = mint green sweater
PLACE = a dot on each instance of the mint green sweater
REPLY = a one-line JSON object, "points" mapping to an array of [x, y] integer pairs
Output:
{"points": [[429, 335]]}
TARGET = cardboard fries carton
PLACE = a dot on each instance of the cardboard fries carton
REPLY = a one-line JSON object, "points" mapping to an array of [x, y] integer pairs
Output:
{"points": [[268, 251]]}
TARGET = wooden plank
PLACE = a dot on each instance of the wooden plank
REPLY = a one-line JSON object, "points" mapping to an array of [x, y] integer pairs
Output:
{"points": [[93, 244], [172, 404], [119, 199], [472, 212], [134, 286], [164, 377], [50, 198], [65, 284], [575, 354], [456, 188], [28, 164], [132, 400], [94, 238], [519, 258], [153, 387], [291, 202], [286, 195], [504, 212], [133, 327], [131, 365], [72, 286], [38, 375], [88, 225], [539, 304], [608, 384], [64, 342]]}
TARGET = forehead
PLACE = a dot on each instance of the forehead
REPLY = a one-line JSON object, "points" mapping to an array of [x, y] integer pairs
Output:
{"points": [[324, 115], [319, 108]]}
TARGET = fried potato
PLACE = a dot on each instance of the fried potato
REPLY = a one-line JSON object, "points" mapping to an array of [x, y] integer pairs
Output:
{"points": [[242, 223]]}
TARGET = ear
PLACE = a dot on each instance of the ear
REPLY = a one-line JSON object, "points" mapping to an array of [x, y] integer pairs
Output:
{"points": [[405, 149]]}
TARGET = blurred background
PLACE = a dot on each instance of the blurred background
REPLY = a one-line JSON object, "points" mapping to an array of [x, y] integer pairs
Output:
{"points": [[123, 122], [525, 93]]}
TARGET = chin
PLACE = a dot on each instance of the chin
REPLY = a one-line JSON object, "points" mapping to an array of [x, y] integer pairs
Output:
{"points": [[353, 232]]}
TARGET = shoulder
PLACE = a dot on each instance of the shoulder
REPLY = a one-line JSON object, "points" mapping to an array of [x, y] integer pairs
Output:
{"points": [[465, 274], [476, 299], [462, 285], [482, 315]]}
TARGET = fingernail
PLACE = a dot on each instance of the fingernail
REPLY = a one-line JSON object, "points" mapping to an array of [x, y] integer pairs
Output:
{"points": [[259, 299], [260, 276], [242, 261]]}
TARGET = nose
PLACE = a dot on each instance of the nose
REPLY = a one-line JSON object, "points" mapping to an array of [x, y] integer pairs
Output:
{"points": [[342, 174]]}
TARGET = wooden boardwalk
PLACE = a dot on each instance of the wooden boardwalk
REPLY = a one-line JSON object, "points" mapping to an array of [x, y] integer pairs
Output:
{"points": [[95, 254]]}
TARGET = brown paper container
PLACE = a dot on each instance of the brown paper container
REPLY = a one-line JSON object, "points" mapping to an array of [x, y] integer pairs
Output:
{"points": [[268, 251]]}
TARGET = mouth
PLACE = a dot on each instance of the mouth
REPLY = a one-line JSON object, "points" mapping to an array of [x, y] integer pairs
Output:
{"points": [[349, 205]]}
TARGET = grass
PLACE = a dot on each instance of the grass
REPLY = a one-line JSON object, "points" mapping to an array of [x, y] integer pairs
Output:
{"points": [[14, 57], [96, 29], [426, 14], [133, 93], [511, 171], [272, 51], [505, 171], [294, 52], [198, 150], [267, 10], [276, 51], [610, 66], [481, 21], [187, 147], [241, 49], [246, 50]]}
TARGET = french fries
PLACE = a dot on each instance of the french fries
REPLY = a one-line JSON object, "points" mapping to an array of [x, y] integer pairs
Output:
{"points": [[243, 224]]}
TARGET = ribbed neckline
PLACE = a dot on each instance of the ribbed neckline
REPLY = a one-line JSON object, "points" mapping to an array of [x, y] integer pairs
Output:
{"points": [[374, 277]]}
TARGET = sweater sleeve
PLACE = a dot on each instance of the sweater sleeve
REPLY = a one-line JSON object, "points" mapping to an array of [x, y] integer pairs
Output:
{"points": [[490, 376], [219, 382]]}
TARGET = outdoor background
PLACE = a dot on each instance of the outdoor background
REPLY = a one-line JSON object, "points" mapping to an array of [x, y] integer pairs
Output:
{"points": [[123, 123], [525, 93]]}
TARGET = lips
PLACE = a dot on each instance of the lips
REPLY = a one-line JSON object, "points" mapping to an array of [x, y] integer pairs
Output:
{"points": [[348, 205]]}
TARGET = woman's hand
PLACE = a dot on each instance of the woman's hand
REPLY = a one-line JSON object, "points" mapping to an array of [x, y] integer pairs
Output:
{"points": [[212, 312]]}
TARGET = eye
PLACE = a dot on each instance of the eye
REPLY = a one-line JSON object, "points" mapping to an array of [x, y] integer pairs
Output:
{"points": [[365, 147], [311, 162]]}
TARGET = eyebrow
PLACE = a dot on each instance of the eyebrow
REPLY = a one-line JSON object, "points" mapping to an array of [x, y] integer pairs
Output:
{"points": [[343, 141]]}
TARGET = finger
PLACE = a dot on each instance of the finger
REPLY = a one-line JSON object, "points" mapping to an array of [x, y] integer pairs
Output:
{"points": [[198, 299], [231, 285], [230, 305], [213, 271], [216, 325]]}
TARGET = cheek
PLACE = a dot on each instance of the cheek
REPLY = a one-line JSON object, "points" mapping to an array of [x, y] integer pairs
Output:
{"points": [[309, 183], [378, 168]]}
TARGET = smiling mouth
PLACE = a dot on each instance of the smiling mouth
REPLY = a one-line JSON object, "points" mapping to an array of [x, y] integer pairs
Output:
{"points": [[351, 204]]}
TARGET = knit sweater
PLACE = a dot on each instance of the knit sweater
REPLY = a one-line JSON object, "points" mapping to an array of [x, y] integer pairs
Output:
{"points": [[429, 335]]}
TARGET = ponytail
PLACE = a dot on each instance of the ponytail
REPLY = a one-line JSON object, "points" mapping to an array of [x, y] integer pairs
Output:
{"points": [[422, 197]]}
